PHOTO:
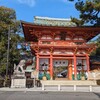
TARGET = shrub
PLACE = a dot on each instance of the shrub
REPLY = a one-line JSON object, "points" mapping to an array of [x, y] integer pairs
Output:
{"points": [[98, 82], [29, 83], [1, 82], [7, 82]]}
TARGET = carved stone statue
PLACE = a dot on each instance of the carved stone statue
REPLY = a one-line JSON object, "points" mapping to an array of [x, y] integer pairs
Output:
{"points": [[18, 78]]}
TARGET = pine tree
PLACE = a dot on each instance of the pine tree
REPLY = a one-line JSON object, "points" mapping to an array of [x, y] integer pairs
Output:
{"points": [[89, 12]]}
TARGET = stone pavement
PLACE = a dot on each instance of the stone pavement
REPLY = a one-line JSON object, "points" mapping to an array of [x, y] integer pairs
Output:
{"points": [[47, 95]]}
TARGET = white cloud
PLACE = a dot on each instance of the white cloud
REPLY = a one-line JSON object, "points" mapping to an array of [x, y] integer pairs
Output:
{"points": [[30, 3], [66, 1]]}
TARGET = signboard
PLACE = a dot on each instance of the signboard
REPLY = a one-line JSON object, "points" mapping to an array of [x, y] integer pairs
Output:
{"points": [[60, 63]]}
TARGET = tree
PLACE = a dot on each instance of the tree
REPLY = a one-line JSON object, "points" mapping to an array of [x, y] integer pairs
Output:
{"points": [[89, 12], [8, 19], [97, 51]]}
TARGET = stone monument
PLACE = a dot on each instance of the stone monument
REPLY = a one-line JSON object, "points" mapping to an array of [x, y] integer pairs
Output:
{"points": [[18, 78]]}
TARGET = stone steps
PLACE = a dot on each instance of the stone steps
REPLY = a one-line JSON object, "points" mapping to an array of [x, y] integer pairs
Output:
{"points": [[61, 78], [68, 82]]}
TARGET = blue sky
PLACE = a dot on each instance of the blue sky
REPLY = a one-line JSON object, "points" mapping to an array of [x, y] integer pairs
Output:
{"points": [[27, 9]]}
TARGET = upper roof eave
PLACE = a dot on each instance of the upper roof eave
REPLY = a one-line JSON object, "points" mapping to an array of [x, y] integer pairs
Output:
{"points": [[29, 23], [24, 22], [95, 29]]}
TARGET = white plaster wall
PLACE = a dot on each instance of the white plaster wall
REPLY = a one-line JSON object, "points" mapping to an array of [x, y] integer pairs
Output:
{"points": [[75, 38], [62, 52], [44, 37], [44, 52], [48, 37], [79, 61], [84, 63], [73, 63], [56, 52], [68, 38], [73, 66], [81, 38], [83, 52], [42, 61], [68, 52], [57, 38]]}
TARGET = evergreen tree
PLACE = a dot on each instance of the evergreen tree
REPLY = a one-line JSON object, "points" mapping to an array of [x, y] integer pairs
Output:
{"points": [[89, 12], [90, 15], [8, 20], [97, 51]]}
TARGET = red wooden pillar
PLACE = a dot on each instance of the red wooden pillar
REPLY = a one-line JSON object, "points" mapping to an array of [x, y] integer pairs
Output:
{"points": [[75, 67], [51, 66], [37, 62], [70, 70], [88, 63]]}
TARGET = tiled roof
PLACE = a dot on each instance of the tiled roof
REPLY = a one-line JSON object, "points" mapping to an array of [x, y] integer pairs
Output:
{"points": [[53, 21]]}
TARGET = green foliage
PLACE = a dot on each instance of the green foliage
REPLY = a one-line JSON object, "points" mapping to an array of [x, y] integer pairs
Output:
{"points": [[97, 51], [45, 73], [89, 12], [48, 76], [98, 45], [82, 73], [59, 69], [77, 21], [8, 19], [1, 81]]}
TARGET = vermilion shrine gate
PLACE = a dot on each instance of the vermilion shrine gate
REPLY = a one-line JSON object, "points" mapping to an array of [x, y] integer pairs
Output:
{"points": [[59, 42]]}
